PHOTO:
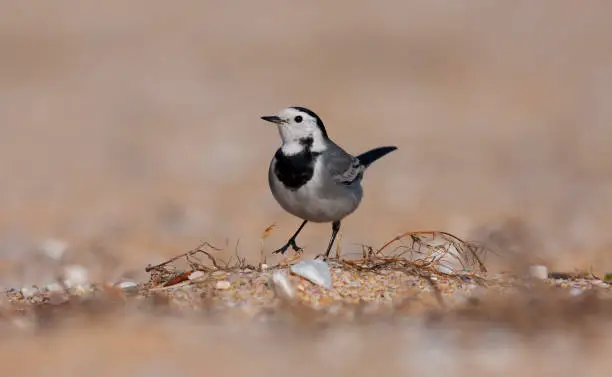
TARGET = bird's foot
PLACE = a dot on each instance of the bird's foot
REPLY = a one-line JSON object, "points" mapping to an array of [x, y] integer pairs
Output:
{"points": [[291, 243]]}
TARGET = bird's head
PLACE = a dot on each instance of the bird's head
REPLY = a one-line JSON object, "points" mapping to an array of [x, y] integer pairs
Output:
{"points": [[299, 127]]}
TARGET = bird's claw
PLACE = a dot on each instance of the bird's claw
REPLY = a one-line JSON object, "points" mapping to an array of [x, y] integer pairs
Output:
{"points": [[296, 248], [293, 245], [281, 250]]}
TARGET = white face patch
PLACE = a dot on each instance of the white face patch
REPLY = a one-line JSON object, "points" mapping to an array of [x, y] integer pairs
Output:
{"points": [[298, 126], [292, 148]]}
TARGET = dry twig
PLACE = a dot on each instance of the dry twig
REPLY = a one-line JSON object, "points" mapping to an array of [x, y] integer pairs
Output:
{"points": [[188, 254]]}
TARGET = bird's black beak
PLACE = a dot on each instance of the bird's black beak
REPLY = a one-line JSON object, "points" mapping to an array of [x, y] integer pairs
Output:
{"points": [[273, 119]]}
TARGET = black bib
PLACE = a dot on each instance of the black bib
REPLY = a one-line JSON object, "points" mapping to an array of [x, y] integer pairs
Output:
{"points": [[295, 170]]}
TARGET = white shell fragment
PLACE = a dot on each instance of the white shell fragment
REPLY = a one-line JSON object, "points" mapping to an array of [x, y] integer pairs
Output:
{"points": [[196, 275], [575, 291], [54, 248], [28, 292], [55, 287], [282, 285], [444, 269], [538, 272], [127, 285], [223, 284], [82, 290], [315, 271], [75, 275]]}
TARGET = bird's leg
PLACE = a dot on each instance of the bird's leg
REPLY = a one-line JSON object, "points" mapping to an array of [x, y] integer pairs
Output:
{"points": [[335, 229], [291, 241]]}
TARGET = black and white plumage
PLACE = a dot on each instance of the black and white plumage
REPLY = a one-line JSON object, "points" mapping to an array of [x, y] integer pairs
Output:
{"points": [[312, 177]]}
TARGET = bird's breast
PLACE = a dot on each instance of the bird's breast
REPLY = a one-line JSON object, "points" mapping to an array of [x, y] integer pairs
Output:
{"points": [[313, 195], [294, 171]]}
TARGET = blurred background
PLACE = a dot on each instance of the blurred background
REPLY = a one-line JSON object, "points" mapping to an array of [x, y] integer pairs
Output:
{"points": [[131, 130]]}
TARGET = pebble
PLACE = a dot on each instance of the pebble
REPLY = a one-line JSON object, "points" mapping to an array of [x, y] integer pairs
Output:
{"points": [[28, 292], [75, 275], [127, 285], [55, 287], [444, 269], [282, 285], [196, 275], [538, 272], [56, 298], [223, 284], [82, 289], [576, 291], [54, 248]]}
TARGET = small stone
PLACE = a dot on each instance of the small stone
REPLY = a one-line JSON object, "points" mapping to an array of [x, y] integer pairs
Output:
{"points": [[56, 298], [538, 272], [29, 292], [264, 266], [576, 291], [54, 287], [223, 284], [81, 290], [127, 285], [196, 275], [282, 285], [444, 269], [54, 248], [75, 275]]}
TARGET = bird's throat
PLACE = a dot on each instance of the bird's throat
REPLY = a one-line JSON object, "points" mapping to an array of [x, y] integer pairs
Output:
{"points": [[299, 146], [295, 169]]}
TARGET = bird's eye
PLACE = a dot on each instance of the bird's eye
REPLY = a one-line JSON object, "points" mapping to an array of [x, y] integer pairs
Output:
{"points": [[298, 119]]}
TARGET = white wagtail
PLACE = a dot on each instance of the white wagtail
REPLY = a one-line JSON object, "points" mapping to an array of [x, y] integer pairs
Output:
{"points": [[313, 178]]}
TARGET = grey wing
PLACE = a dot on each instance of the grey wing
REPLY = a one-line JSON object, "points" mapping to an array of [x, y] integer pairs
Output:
{"points": [[343, 167]]}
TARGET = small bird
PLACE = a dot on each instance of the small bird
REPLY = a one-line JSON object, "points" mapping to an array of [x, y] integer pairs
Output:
{"points": [[313, 178]]}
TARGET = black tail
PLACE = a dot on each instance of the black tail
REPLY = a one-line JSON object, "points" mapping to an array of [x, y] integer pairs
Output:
{"points": [[370, 156]]}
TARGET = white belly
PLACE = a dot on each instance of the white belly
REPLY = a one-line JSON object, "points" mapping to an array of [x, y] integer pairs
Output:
{"points": [[319, 200]]}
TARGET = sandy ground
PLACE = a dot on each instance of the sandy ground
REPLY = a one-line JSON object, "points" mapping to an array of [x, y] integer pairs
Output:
{"points": [[130, 132], [397, 321]]}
